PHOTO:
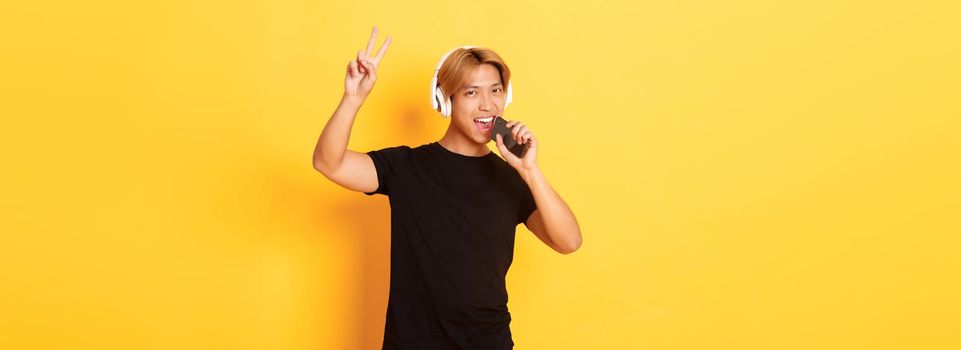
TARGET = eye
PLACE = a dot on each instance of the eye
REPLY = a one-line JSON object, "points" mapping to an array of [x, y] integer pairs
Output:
{"points": [[497, 90], [472, 92]]}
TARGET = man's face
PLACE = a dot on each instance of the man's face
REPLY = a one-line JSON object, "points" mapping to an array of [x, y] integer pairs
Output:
{"points": [[476, 103]]}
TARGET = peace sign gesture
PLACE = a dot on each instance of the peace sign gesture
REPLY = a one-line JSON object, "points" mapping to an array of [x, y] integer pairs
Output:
{"points": [[362, 71]]}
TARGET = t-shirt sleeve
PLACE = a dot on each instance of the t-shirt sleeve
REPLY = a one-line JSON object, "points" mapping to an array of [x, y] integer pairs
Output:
{"points": [[527, 206], [389, 163]]}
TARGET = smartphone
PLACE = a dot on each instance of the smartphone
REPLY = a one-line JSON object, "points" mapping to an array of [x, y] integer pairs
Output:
{"points": [[500, 127]]}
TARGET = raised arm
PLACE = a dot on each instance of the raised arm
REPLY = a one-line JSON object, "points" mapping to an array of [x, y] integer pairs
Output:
{"points": [[552, 222], [349, 169]]}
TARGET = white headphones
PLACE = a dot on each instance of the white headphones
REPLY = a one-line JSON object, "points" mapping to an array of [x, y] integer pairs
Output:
{"points": [[439, 100]]}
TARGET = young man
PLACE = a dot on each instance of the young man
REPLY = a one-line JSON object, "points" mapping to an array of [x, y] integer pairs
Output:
{"points": [[454, 204]]}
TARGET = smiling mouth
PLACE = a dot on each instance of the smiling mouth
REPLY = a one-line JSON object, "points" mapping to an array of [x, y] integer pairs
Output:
{"points": [[485, 124]]}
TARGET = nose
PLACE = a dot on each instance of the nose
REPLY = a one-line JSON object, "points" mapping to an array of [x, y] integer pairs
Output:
{"points": [[487, 103]]}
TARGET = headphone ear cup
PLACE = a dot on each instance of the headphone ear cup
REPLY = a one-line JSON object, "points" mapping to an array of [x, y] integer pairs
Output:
{"points": [[438, 100], [510, 95], [433, 93], [449, 107]]}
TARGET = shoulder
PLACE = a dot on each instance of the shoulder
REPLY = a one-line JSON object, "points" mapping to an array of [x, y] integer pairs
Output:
{"points": [[390, 158], [393, 149], [390, 153]]}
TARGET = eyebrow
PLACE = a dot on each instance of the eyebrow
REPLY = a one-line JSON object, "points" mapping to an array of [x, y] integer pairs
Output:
{"points": [[477, 86]]}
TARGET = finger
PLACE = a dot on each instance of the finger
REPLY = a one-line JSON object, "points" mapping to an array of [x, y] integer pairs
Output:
{"points": [[523, 136], [383, 49], [352, 69], [371, 72], [367, 64], [373, 40], [360, 57], [370, 63], [516, 129], [532, 143]]}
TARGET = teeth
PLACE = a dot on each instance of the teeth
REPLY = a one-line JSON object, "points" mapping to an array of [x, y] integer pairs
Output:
{"points": [[484, 120]]}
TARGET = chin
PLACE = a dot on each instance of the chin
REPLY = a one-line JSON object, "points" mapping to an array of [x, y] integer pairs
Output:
{"points": [[472, 134], [474, 137], [481, 140]]}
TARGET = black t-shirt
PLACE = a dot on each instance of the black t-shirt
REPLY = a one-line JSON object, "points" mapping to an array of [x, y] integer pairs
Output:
{"points": [[453, 218]]}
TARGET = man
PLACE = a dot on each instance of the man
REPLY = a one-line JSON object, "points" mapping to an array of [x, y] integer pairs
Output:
{"points": [[454, 203]]}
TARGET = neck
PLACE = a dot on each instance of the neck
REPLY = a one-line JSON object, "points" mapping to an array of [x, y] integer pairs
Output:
{"points": [[457, 142]]}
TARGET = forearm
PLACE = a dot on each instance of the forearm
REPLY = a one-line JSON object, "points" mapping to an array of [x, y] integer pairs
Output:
{"points": [[559, 222], [332, 144]]}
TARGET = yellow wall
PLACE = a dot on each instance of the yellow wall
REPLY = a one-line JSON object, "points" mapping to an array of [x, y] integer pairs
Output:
{"points": [[747, 174]]}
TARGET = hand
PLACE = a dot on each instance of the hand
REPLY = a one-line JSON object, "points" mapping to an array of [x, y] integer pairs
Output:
{"points": [[362, 71], [522, 135]]}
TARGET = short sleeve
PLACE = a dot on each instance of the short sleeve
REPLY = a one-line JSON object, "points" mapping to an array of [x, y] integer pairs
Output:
{"points": [[527, 205], [389, 163]]}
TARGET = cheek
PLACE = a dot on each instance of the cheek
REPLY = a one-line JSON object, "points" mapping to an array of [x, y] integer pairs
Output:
{"points": [[462, 107]]}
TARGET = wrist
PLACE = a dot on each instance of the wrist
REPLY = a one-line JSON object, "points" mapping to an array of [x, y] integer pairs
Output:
{"points": [[352, 100], [530, 173]]}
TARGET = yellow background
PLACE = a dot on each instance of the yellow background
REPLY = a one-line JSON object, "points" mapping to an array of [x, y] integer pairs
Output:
{"points": [[746, 174]]}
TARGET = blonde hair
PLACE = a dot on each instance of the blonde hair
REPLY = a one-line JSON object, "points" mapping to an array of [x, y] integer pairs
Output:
{"points": [[453, 72]]}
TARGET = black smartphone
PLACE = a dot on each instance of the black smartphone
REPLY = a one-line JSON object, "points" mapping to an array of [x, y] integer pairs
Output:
{"points": [[500, 127]]}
